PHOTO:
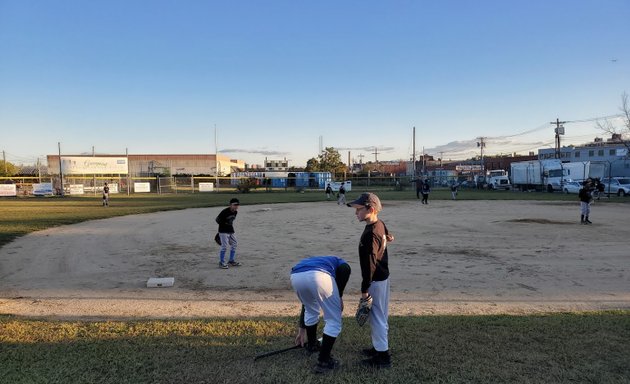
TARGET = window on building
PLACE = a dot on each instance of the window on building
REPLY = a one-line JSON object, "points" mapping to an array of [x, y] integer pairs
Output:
{"points": [[600, 152], [612, 152], [576, 154], [591, 153]]}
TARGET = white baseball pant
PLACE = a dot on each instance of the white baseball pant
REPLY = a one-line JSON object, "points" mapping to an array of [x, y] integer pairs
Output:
{"points": [[318, 290], [379, 290]]}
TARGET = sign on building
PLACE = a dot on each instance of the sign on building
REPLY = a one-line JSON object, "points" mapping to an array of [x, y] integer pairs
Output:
{"points": [[94, 165]]}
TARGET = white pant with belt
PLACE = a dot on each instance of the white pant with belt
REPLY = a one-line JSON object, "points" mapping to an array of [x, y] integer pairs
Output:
{"points": [[318, 290]]}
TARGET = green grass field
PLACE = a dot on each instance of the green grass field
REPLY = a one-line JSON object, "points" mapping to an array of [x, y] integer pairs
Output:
{"points": [[552, 348], [555, 348]]}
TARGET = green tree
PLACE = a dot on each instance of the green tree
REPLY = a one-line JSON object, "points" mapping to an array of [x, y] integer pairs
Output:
{"points": [[327, 161], [312, 165], [7, 169]]}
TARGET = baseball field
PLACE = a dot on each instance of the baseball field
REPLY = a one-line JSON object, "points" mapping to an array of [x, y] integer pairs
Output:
{"points": [[492, 287]]}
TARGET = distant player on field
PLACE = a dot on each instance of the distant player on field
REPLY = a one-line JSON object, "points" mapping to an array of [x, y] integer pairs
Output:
{"points": [[105, 195], [341, 196], [225, 219]]}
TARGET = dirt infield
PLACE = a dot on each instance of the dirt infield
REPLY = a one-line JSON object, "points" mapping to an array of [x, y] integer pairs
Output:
{"points": [[449, 257]]}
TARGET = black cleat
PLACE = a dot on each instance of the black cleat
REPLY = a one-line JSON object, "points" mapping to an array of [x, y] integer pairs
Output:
{"points": [[328, 366], [381, 360], [369, 352]]}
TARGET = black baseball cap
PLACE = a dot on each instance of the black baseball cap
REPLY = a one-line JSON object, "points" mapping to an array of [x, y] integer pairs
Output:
{"points": [[367, 199], [235, 201]]}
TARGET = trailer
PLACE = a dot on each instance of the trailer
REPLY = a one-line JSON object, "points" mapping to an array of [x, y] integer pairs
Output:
{"points": [[551, 175]]}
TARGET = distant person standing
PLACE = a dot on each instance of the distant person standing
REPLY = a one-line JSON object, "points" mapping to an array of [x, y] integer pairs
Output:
{"points": [[426, 189], [341, 198], [105, 195], [599, 187], [585, 196], [329, 191], [454, 188], [225, 219], [418, 182]]}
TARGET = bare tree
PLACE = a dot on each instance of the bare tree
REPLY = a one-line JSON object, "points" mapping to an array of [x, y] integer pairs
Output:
{"points": [[623, 132]]}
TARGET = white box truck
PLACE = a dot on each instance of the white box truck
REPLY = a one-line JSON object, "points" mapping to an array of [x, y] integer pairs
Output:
{"points": [[551, 175], [498, 179]]}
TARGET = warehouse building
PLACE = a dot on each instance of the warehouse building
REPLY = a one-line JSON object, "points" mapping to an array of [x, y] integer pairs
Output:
{"points": [[164, 165]]}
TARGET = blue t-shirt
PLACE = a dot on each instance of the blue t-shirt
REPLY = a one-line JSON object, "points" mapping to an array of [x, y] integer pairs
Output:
{"points": [[326, 264]]}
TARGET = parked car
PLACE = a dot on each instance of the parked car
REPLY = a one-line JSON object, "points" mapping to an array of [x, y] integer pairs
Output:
{"points": [[571, 187], [619, 186]]}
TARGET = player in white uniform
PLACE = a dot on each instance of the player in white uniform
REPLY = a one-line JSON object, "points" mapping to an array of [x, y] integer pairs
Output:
{"points": [[374, 276], [319, 282]]}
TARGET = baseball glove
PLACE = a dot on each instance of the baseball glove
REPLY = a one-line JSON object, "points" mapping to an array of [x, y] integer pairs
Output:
{"points": [[217, 239], [363, 310]]}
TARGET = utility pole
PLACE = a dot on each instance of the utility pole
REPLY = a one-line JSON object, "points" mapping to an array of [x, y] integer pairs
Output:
{"points": [[481, 144], [559, 131], [424, 159], [414, 152], [375, 153], [4, 160], [216, 160], [60, 169], [361, 156], [349, 162], [128, 179], [94, 175]]}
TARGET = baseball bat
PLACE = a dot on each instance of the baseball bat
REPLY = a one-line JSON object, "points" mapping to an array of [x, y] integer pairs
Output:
{"points": [[267, 354]]}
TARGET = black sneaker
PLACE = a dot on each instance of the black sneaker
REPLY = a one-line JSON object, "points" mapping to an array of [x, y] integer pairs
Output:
{"points": [[381, 360], [324, 367], [234, 264], [369, 352]]}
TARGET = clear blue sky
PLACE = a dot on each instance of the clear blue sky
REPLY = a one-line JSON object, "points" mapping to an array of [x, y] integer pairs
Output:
{"points": [[273, 76]]}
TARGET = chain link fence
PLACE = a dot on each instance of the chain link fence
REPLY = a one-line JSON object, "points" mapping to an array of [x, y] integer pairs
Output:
{"points": [[93, 185]]}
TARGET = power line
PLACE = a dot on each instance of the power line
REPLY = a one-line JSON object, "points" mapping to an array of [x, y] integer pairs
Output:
{"points": [[594, 119]]}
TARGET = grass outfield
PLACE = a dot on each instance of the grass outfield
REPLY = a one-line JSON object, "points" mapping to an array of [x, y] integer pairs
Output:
{"points": [[555, 348]]}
